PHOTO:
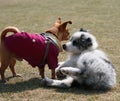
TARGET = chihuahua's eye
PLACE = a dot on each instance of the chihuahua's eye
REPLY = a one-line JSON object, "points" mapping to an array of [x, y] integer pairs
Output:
{"points": [[68, 33]]}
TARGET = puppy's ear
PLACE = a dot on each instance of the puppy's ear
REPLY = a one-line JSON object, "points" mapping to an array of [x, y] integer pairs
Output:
{"points": [[83, 30]]}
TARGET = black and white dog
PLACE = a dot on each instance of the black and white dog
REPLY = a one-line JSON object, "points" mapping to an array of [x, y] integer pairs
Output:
{"points": [[86, 65]]}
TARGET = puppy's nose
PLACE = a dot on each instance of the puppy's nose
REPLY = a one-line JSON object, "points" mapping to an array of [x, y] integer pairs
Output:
{"points": [[64, 46]]}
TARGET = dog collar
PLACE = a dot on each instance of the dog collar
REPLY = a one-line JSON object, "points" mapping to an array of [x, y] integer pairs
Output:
{"points": [[53, 39]]}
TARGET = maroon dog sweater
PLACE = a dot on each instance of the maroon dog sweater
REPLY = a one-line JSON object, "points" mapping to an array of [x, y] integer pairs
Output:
{"points": [[32, 48]]}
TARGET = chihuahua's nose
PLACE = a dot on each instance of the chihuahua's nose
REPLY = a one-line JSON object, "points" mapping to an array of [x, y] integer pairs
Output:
{"points": [[64, 46]]}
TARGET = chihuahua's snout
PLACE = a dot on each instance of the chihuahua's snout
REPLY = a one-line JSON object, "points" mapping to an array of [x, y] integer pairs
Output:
{"points": [[64, 46]]}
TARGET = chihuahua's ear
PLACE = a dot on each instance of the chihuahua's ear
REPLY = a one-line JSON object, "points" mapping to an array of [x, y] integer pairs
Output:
{"points": [[58, 22], [64, 25]]}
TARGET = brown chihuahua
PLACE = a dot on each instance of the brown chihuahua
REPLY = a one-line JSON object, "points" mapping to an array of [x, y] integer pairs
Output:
{"points": [[36, 49]]}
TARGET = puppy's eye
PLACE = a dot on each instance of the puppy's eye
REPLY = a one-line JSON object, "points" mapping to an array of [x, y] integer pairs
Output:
{"points": [[75, 43]]}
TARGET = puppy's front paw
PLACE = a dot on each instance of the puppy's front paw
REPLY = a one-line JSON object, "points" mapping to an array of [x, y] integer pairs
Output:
{"points": [[64, 71], [60, 63], [60, 75]]}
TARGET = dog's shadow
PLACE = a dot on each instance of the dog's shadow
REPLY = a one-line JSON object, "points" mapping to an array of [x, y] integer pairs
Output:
{"points": [[35, 83], [30, 84], [78, 90]]}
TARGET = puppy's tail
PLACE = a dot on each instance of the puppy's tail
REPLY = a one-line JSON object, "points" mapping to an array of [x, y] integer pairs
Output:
{"points": [[7, 30]]}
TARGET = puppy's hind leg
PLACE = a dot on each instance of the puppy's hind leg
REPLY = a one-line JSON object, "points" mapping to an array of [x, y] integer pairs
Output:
{"points": [[12, 65], [65, 83]]}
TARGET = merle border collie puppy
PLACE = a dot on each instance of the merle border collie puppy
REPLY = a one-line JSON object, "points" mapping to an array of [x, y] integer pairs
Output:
{"points": [[86, 65]]}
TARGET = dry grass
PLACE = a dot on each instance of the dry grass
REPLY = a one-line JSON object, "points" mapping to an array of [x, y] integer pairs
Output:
{"points": [[101, 17]]}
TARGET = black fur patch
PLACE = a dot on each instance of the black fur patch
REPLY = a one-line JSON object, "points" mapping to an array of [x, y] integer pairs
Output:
{"points": [[82, 42], [107, 62]]}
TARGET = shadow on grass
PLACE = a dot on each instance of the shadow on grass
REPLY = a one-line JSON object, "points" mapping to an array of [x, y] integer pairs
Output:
{"points": [[35, 83], [30, 84], [81, 90], [77, 89]]}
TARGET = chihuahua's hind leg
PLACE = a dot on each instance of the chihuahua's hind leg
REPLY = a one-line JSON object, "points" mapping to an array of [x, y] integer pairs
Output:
{"points": [[12, 65], [4, 65]]}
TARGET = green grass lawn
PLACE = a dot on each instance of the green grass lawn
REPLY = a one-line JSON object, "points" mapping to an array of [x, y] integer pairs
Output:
{"points": [[100, 17]]}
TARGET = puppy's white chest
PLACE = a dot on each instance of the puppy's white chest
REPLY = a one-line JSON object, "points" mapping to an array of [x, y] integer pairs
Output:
{"points": [[74, 59]]}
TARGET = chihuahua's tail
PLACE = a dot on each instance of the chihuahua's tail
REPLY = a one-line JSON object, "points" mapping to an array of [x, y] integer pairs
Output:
{"points": [[7, 30]]}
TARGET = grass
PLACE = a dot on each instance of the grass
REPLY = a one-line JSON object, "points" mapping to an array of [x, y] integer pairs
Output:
{"points": [[100, 17]]}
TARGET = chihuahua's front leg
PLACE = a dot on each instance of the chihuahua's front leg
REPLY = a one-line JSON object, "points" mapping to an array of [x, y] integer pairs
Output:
{"points": [[41, 72], [53, 73]]}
